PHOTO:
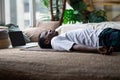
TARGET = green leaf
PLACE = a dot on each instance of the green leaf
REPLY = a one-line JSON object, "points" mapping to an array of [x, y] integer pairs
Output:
{"points": [[46, 3]]}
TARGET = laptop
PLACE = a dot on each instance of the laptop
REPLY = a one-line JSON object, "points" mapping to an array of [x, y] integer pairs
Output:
{"points": [[18, 41], [17, 38]]}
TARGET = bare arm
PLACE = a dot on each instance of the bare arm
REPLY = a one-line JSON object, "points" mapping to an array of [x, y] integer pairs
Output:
{"points": [[83, 48]]}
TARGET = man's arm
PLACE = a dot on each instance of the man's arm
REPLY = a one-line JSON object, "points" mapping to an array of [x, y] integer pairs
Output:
{"points": [[83, 48]]}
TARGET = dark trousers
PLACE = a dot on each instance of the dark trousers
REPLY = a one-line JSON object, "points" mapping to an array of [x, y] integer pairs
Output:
{"points": [[111, 38]]}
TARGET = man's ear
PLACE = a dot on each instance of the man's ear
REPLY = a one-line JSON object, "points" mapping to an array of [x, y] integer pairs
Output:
{"points": [[46, 41]]}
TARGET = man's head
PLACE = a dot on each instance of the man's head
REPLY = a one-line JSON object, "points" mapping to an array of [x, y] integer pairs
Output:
{"points": [[44, 39]]}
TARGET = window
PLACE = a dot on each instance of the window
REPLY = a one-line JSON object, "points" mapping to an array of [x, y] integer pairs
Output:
{"points": [[42, 12], [2, 19], [25, 13]]}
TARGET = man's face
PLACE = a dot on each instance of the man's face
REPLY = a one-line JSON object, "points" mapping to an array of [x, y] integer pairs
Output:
{"points": [[48, 35]]}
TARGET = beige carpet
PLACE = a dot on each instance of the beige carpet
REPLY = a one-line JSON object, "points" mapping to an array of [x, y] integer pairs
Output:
{"points": [[44, 65]]}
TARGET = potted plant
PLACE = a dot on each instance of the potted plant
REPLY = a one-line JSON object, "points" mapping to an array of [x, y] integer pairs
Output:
{"points": [[80, 13]]}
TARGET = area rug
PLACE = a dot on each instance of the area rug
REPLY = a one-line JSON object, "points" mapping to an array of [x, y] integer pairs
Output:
{"points": [[16, 64]]}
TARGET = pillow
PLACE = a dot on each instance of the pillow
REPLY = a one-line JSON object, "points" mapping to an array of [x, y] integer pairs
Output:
{"points": [[68, 27], [50, 24], [34, 32]]}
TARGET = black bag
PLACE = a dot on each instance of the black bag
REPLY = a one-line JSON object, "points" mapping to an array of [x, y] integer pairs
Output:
{"points": [[15, 28]]}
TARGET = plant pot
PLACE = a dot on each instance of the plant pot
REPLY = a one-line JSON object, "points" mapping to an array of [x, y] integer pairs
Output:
{"points": [[4, 38]]}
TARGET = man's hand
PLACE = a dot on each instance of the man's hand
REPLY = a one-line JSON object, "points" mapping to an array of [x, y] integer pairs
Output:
{"points": [[105, 50]]}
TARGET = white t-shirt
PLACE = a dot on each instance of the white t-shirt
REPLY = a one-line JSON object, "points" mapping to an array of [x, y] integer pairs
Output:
{"points": [[87, 36]]}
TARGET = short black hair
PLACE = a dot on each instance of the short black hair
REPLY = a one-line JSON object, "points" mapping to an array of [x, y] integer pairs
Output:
{"points": [[41, 42]]}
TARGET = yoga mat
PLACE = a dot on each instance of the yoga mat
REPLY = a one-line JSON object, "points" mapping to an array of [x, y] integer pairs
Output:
{"points": [[37, 48]]}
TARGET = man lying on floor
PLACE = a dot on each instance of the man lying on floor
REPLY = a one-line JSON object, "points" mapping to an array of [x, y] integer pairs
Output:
{"points": [[84, 40]]}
